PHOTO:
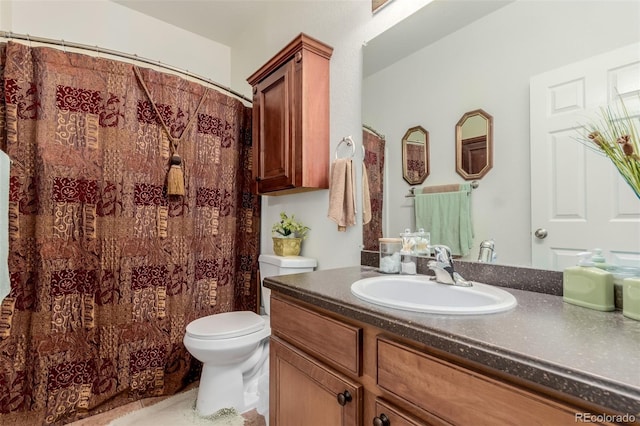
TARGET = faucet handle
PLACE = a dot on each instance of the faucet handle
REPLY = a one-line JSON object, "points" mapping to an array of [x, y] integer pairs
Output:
{"points": [[443, 254]]}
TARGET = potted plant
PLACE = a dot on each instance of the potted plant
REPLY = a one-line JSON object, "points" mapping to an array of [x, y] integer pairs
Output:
{"points": [[617, 138], [288, 234]]}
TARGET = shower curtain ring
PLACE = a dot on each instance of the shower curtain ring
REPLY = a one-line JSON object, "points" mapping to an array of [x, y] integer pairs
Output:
{"points": [[29, 40], [64, 48]]}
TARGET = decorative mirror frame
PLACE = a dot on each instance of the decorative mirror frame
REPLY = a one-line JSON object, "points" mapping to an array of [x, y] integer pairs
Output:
{"points": [[376, 5], [489, 145], [405, 156]]}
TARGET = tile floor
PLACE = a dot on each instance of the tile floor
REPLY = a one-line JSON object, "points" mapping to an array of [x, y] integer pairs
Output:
{"points": [[252, 418]]}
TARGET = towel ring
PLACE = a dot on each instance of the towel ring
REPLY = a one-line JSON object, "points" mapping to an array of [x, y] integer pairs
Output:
{"points": [[350, 143]]}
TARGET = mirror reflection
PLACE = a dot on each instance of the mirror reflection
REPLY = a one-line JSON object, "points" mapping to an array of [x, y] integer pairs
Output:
{"points": [[464, 67], [474, 144], [415, 155]]}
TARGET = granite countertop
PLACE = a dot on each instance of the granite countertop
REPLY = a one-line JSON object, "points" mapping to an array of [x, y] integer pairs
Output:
{"points": [[588, 354]]}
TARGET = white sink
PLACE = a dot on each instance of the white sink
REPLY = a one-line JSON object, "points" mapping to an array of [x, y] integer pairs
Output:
{"points": [[419, 293]]}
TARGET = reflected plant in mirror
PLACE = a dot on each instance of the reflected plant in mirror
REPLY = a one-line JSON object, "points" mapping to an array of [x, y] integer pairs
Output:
{"points": [[415, 155], [474, 144]]}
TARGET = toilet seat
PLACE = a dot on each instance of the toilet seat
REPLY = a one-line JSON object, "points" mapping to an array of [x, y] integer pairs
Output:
{"points": [[226, 325]]}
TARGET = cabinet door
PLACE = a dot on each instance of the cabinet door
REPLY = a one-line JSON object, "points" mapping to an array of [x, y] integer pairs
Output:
{"points": [[305, 392], [273, 135]]}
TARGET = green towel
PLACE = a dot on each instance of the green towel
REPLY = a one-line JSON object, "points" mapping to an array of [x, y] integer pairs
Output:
{"points": [[447, 217]]}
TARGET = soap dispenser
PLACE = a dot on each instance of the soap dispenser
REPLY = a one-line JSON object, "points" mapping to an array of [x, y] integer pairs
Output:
{"points": [[598, 260], [587, 285]]}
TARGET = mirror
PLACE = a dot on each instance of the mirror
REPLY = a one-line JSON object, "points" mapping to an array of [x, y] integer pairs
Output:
{"points": [[474, 144], [415, 155], [459, 62]]}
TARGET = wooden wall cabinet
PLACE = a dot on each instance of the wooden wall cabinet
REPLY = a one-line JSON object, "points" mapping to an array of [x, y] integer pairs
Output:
{"points": [[326, 369], [291, 119]]}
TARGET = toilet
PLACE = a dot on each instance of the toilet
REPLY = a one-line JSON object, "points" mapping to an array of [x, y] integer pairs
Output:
{"points": [[234, 346]]}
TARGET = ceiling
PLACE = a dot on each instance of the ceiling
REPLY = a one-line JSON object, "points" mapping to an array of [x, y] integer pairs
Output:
{"points": [[218, 20], [427, 25], [223, 21]]}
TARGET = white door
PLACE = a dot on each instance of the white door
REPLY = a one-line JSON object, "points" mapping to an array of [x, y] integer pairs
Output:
{"points": [[578, 199]]}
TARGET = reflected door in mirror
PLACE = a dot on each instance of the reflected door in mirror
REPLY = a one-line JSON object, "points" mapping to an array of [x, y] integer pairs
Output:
{"points": [[474, 144], [474, 154]]}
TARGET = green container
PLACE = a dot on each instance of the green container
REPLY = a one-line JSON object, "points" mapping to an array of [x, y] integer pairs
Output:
{"points": [[589, 287], [631, 298]]}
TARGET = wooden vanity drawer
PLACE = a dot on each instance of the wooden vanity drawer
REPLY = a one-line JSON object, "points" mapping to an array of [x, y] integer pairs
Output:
{"points": [[396, 417], [334, 342], [459, 395]]}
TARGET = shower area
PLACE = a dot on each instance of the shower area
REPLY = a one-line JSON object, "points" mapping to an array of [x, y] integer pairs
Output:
{"points": [[106, 268]]}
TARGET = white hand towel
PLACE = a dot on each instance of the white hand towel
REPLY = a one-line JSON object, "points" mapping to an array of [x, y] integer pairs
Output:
{"points": [[342, 206]]}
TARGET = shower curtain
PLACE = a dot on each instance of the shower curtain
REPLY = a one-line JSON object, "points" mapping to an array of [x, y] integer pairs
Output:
{"points": [[374, 162], [106, 269]]}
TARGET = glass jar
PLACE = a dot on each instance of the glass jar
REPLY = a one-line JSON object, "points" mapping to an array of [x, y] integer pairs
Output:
{"points": [[390, 255], [408, 239], [423, 240]]}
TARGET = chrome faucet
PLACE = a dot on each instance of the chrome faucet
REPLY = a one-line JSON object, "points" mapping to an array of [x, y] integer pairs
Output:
{"points": [[487, 253], [443, 268]]}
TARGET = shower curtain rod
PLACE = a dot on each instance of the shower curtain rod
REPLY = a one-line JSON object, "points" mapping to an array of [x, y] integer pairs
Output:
{"points": [[374, 131], [64, 44]]}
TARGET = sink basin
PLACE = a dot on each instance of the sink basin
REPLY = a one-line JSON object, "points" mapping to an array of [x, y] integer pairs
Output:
{"points": [[420, 294]]}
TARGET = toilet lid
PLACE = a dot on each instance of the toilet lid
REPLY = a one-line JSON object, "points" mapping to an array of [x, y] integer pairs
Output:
{"points": [[226, 325]]}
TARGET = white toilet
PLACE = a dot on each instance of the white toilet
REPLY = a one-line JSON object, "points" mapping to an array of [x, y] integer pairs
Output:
{"points": [[234, 346]]}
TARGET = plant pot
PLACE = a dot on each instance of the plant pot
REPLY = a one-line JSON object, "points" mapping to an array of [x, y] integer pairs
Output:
{"points": [[286, 246]]}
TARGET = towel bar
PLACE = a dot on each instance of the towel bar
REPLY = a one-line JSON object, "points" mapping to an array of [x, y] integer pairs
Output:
{"points": [[350, 143], [440, 188]]}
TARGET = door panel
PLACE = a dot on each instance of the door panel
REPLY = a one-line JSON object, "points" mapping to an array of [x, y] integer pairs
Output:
{"points": [[577, 194], [273, 134]]}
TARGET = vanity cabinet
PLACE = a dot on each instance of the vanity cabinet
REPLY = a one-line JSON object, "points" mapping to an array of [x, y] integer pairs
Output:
{"points": [[304, 389], [327, 369], [291, 119]]}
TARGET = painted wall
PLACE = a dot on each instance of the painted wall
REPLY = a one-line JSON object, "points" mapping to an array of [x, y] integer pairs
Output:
{"points": [[488, 65], [115, 27], [344, 25]]}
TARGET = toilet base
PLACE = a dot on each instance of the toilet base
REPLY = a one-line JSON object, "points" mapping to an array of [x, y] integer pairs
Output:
{"points": [[219, 388], [230, 388]]}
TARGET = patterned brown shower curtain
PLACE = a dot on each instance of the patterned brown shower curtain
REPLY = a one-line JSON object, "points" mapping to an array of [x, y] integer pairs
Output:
{"points": [[374, 161], [106, 269]]}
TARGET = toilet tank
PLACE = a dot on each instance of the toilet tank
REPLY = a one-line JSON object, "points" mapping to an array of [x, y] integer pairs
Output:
{"points": [[272, 265]]}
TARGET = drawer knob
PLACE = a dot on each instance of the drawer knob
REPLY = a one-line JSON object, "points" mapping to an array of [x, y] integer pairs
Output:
{"points": [[381, 420], [344, 397]]}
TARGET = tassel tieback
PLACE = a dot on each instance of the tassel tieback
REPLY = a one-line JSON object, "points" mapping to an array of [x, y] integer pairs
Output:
{"points": [[175, 177]]}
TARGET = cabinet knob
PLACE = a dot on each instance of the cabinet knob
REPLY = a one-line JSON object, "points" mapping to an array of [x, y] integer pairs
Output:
{"points": [[381, 420], [344, 397]]}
